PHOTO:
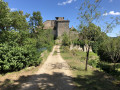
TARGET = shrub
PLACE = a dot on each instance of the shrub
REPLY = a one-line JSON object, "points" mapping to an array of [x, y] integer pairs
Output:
{"points": [[109, 50], [106, 67], [65, 40], [93, 62], [65, 49], [82, 58], [95, 47], [118, 66], [74, 52], [14, 58]]}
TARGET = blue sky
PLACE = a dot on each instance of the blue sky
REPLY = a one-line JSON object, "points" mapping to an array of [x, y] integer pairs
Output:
{"points": [[64, 8]]}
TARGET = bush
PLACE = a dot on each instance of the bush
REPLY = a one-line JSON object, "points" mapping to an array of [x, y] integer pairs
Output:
{"points": [[109, 50], [93, 63], [118, 66], [21, 41], [95, 47], [106, 67], [74, 52], [65, 40], [82, 59], [14, 58], [65, 49], [49, 48]]}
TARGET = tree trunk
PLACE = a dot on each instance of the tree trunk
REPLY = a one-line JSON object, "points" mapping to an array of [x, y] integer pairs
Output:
{"points": [[87, 57]]}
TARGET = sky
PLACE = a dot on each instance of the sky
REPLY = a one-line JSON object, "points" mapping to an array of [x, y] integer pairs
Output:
{"points": [[64, 8]]}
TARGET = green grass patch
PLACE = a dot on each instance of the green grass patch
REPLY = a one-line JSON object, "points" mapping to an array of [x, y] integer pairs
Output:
{"points": [[55, 52], [93, 79], [45, 54]]}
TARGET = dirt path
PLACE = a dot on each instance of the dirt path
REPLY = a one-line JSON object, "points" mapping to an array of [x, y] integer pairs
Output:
{"points": [[53, 75]]}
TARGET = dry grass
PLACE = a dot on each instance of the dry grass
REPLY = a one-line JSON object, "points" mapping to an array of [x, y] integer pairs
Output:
{"points": [[93, 79]]}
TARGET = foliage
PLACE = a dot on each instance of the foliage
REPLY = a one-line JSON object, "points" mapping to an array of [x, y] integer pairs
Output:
{"points": [[65, 39], [110, 50], [90, 35], [87, 80], [95, 46], [44, 38], [93, 62], [65, 49], [18, 20], [5, 20], [19, 47], [108, 68], [73, 29], [74, 52], [89, 12], [13, 58], [36, 20], [78, 42]]}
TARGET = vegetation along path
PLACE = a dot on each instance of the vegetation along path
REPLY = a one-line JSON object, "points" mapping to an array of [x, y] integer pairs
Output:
{"points": [[53, 75]]}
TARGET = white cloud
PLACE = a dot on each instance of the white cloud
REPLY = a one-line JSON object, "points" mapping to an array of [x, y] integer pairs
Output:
{"points": [[111, 13], [13, 9], [67, 2], [105, 14], [110, 0]]}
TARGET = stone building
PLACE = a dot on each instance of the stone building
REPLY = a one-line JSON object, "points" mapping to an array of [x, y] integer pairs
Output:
{"points": [[59, 26]]}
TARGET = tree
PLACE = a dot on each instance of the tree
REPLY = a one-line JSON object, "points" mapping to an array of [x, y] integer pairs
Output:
{"points": [[89, 13], [19, 21], [19, 48], [110, 50], [44, 38], [65, 39], [5, 20], [90, 35], [36, 21]]}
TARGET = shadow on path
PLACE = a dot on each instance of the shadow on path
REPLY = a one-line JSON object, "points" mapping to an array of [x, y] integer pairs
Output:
{"points": [[56, 81], [59, 81]]}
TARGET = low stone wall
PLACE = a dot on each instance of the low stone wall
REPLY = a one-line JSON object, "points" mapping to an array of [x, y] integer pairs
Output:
{"points": [[86, 48], [77, 47]]}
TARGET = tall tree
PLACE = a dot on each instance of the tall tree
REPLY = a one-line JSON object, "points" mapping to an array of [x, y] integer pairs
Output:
{"points": [[110, 50], [19, 21], [5, 20], [89, 12], [90, 35], [36, 21]]}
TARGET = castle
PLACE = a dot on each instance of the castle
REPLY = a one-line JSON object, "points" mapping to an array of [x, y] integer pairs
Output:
{"points": [[59, 26]]}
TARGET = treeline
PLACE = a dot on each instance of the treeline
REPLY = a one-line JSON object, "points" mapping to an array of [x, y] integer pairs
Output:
{"points": [[107, 48], [22, 39]]}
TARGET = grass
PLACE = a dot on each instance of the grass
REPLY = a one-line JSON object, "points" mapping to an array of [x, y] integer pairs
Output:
{"points": [[109, 68], [45, 55], [55, 52], [93, 79]]}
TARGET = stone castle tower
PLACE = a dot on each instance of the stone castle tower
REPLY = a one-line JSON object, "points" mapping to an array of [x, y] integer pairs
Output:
{"points": [[59, 26]]}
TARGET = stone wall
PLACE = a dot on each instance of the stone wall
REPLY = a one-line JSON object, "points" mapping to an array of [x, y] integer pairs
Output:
{"points": [[86, 48], [62, 27], [59, 26], [49, 24], [77, 47], [73, 35]]}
